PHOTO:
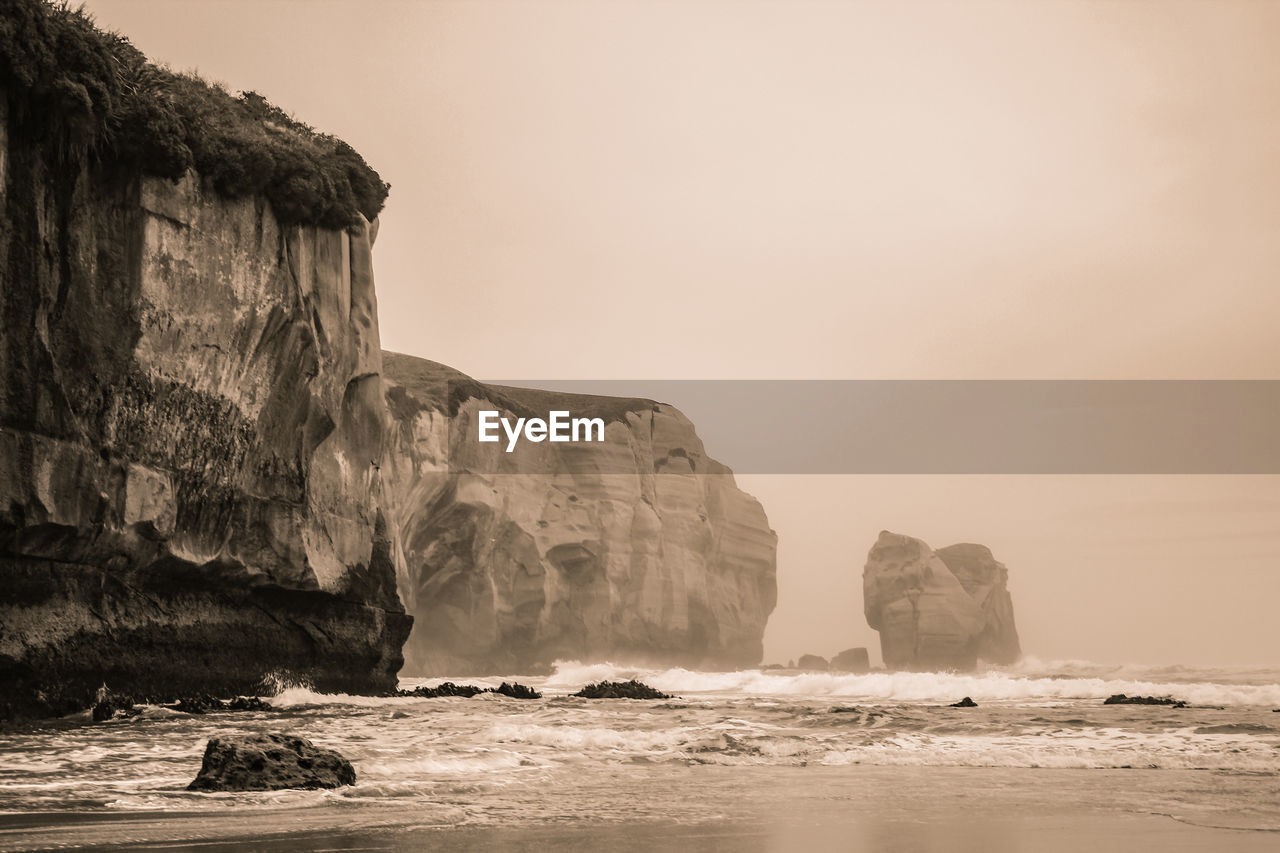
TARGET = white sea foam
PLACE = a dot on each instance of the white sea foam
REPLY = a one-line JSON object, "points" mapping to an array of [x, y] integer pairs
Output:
{"points": [[441, 753], [991, 686]]}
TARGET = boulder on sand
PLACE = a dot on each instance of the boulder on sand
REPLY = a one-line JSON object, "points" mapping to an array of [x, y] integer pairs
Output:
{"points": [[269, 762]]}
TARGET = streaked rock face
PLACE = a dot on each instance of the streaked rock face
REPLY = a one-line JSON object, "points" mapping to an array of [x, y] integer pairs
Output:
{"points": [[191, 429], [938, 610], [640, 548]]}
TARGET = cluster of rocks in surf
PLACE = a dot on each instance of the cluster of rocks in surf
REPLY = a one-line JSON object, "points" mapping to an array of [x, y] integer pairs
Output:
{"points": [[109, 705], [854, 661], [1122, 699], [272, 761], [513, 690], [620, 690]]}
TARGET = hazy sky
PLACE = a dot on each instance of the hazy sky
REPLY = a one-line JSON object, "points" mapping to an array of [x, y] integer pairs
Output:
{"points": [[836, 190]]}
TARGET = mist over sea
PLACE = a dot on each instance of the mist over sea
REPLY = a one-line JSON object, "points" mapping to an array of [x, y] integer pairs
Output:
{"points": [[732, 748]]}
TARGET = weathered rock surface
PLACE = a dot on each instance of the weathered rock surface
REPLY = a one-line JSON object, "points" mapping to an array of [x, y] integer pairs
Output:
{"points": [[270, 762], [814, 662], [938, 610], [640, 548], [620, 690], [191, 428], [855, 661]]}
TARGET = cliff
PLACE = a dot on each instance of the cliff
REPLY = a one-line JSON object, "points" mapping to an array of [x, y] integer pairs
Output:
{"points": [[640, 548], [191, 426], [938, 610]]}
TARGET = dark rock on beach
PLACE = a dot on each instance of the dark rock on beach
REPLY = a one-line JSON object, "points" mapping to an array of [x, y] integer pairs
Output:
{"points": [[447, 688], [269, 762], [466, 691], [966, 702], [207, 704], [1121, 699], [197, 705], [517, 691], [104, 711], [620, 690], [247, 703], [110, 705]]}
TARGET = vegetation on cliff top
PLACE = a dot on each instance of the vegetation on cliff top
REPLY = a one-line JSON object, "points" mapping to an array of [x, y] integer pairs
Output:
{"points": [[83, 92]]}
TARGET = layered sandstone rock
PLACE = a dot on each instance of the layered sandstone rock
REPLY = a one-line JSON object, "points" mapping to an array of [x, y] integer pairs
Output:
{"points": [[938, 610], [640, 548], [191, 432]]}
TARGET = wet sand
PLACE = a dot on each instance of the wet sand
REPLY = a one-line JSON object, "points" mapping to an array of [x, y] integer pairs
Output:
{"points": [[1096, 833], [717, 808]]}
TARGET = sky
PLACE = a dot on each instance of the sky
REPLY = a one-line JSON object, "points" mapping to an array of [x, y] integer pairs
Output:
{"points": [[836, 190]]}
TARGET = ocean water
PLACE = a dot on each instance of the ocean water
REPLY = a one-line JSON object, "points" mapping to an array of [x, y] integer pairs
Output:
{"points": [[733, 746]]}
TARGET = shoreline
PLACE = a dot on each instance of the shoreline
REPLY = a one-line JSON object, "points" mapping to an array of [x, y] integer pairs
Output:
{"points": [[1070, 830], [736, 808]]}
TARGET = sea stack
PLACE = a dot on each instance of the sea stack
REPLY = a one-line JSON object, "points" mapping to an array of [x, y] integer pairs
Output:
{"points": [[639, 548], [938, 610]]}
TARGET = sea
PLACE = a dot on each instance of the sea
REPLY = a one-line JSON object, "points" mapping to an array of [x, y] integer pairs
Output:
{"points": [[754, 760]]}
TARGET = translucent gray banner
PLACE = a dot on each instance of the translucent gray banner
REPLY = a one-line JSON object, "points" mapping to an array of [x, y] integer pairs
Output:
{"points": [[872, 427]]}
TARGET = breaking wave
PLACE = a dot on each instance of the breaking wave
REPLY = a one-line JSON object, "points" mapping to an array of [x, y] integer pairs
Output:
{"points": [[1027, 683]]}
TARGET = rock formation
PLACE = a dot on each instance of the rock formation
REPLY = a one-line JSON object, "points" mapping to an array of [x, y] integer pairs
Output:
{"points": [[620, 690], [640, 548], [938, 610], [270, 762], [813, 662], [1122, 699], [855, 661], [203, 489], [192, 428]]}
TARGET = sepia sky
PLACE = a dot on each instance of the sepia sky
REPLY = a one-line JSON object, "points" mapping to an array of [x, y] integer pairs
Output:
{"points": [[773, 190]]}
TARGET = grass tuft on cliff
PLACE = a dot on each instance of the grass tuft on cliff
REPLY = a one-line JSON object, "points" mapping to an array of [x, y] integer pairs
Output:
{"points": [[84, 92]]}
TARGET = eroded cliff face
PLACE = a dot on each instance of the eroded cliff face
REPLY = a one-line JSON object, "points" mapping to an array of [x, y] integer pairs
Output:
{"points": [[191, 433], [640, 548], [938, 610]]}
